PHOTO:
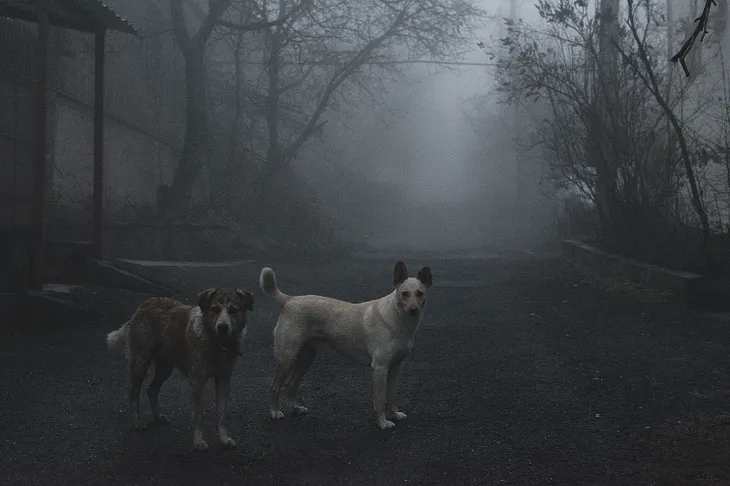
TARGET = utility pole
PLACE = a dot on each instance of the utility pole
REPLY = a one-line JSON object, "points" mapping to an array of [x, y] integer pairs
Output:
{"points": [[520, 205], [606, 101], [671, 31]]}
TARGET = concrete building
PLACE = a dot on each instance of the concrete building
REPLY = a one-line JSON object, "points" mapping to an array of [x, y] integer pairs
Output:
{"points": [[144, 102]]}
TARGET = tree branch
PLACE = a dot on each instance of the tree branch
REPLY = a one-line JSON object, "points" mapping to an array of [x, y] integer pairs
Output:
{"points": [[695, 190], [252, 27], [216, 10], [700, 28], [337, 79]]}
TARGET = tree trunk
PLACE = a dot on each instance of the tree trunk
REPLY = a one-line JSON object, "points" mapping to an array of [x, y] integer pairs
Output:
{"points": [[606, 196], [273, 151], [233, 161], [195, 144], [605, 190], [650, 80]]}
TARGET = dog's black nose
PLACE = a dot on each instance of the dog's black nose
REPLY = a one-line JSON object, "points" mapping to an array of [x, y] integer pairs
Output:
{"points": [[413, 312], [221, 330]]}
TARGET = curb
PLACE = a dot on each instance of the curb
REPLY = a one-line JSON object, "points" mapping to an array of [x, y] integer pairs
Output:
{"points": [[109, 275], [684, 283]]}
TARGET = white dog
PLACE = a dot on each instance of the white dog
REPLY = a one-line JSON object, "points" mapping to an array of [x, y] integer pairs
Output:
{"points": [[378, 333]]}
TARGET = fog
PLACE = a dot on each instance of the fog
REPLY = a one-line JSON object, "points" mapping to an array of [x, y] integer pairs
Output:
{"points": [[437, 137], [240, 132]]}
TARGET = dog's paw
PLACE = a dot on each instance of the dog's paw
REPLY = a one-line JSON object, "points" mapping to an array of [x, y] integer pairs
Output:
{"points": [[399, 416], [162, 419], [139, 425], [299, 409], [277, 414], [227, 443], [200, 445], [386, 424]]}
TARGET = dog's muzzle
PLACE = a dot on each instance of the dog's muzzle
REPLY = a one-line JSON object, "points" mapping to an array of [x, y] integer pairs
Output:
{"points": [[222, 330]]}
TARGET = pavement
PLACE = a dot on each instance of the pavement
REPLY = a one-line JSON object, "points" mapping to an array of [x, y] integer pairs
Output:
{"points": [[527, 370]]}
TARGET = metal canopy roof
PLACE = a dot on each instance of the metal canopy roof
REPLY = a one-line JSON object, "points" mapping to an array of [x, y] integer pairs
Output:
{"points": [[83, 15]]}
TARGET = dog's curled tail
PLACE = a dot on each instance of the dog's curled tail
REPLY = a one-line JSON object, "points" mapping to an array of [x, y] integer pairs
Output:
{"points": [[117, 340], [267, 280]]}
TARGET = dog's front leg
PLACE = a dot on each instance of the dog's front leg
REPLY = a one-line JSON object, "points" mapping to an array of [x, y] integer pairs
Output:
{"points": [[222, 387], [197, 385], [393, 377], [380, 395]]}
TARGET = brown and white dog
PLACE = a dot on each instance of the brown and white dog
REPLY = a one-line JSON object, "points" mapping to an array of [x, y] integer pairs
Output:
{"points": [[203, 342], [378, 333]]}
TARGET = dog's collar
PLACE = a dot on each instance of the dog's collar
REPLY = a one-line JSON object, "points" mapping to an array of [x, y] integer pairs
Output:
{"points": [[223, 348]]}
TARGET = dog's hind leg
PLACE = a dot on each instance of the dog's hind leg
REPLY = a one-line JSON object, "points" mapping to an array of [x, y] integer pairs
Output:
{"points": [[137, 372], [163, 370], [280, 376], [286, 351], [304, 361], [286, 363]]}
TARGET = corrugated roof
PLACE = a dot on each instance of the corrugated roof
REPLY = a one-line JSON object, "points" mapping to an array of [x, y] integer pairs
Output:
{"points": [[84, 15]]}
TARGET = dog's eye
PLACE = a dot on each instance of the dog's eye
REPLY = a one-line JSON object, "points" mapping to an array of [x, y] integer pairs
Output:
{"points": [[419, 294], [216, 309], [404, 295], [233, 309]]}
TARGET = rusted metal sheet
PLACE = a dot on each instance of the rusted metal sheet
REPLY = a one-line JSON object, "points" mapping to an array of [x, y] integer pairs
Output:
{"points": [[83, 15]]}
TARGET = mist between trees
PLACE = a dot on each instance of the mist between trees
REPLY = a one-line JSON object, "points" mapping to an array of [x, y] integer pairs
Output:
{"points": [[639, 149], [236, 114], [216, 100]]}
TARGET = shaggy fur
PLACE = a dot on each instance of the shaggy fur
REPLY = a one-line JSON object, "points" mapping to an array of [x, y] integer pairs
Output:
{"points": [[203, 342]]}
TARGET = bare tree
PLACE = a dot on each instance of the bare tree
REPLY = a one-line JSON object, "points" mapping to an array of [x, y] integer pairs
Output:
{"points": [[336, 48], [193, 42], [638, 22], [617, 154]]}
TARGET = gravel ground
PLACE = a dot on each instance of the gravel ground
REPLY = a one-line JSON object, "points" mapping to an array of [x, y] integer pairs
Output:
{"points": [[527, 370]]}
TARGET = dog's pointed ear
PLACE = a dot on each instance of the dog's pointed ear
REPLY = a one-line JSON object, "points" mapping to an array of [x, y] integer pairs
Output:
{"points": [[205, 297], [400, 273], [246, 298], [424, 275]]}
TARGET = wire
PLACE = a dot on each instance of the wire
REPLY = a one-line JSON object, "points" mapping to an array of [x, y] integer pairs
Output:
{"points": [[378, 63]]}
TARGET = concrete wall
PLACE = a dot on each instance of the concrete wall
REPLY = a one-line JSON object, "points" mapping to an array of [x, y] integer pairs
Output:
{"points": [[144, 107], [134, 163], [16, 150]]}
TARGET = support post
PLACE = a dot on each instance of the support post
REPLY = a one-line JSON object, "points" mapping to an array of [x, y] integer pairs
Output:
{"points": [[98, 211], [520, 196], [37, 257]]}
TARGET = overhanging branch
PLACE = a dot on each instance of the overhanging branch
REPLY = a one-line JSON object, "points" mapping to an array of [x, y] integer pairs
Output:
{"points": [[700, 28], [252, 27], [210, 21]]}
